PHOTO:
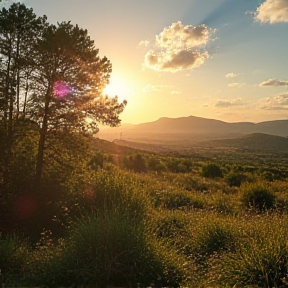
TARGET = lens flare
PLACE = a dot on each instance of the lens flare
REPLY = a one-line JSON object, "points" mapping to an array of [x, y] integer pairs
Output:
{"points": [[61, 89]]}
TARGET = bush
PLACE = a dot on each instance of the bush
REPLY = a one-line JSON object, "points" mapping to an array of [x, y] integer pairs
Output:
{"points": [[14, 253], [260, 258], [257, 196], [235, 179], [213, 235], [108, 249], [177, 199], [211, 171]]}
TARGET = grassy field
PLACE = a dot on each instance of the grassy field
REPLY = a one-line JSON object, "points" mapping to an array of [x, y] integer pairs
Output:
{"points": [[133, 218]]}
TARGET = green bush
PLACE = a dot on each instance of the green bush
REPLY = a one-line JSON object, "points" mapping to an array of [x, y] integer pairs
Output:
{"points": [[109, 249], [213, 235], [113, 190], [257, 196], [211, 171], [177, 199], [260, 258], [235, 179], [14, 253]]}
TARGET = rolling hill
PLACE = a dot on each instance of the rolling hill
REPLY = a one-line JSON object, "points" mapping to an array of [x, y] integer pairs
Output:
{"points": [[255, 141], [193, 128]]}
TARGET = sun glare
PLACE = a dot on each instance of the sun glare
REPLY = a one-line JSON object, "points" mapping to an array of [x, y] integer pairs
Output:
{"points": [[117, 87]]}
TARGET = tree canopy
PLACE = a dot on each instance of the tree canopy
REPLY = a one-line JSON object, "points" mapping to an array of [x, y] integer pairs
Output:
{"points": [[52, 77]]}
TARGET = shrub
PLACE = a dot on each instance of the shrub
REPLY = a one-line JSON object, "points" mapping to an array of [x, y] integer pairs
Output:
{"points": [[109, 249], [213, 235], [14, 253], [257, 196], [260, 258], [176, 199], [235, 179], [211, 171]]}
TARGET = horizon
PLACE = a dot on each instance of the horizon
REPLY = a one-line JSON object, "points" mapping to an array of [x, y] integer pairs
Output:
{"points": [[222, 59], [103, 127]]}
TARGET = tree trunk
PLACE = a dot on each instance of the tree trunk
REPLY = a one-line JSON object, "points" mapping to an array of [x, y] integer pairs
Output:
{"points": [[42, 139]]}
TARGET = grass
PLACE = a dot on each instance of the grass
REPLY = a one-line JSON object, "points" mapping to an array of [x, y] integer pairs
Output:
{"points": [[124, 228]]}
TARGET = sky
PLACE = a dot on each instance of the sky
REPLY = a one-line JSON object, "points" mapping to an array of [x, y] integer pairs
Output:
{"points": [[219, 59]]}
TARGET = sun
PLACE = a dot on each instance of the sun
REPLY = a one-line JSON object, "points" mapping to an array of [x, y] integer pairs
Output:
{"points": [[117, 87]]}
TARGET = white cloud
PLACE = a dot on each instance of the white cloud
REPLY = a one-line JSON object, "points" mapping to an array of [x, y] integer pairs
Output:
{"points": [[274, 82], [278, 102], [144, 43], [236, 85], [179, 47], [272, 11], [177, 61], [180, 36], [229, 103], [231, 75]]}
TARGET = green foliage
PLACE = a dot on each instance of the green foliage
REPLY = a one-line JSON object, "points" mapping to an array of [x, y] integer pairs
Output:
{"points": [[155, 164], [106, 249], [14, 254], [235, 179], [179, 165], [260, 258], [135, 163], [213, 235], [257, 196], [211, 171], [177, 199]]}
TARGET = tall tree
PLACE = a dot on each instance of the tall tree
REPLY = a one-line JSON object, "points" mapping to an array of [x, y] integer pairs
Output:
{"points": [[69, 80], [19, 30]]}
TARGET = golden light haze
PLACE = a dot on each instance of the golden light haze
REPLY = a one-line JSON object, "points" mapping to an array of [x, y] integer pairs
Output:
{"points": [[176, 58]]}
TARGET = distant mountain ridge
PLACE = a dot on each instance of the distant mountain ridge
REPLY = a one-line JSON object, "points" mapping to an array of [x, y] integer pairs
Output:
{"points": [[255, 141], [199, 125]]}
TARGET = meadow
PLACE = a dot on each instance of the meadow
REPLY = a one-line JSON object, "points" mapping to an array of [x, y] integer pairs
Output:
{"points": [[123, 217]]}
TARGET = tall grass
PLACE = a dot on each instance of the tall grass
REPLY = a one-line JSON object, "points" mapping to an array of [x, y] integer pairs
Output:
{"points": [[14, 254], [260, 257]]}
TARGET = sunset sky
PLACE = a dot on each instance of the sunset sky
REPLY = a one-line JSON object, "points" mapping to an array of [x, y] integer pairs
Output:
{"points": [[220, 59]]}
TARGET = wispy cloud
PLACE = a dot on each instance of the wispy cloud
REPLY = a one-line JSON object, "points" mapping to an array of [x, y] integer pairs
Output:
{"points": [[229, 103], [231, 75], [278, 102], [274, 82], [179, 47], [236, 85], [272, 11], [144, 43]]}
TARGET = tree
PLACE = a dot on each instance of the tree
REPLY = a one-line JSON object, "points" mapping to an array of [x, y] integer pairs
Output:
{"points": [[211, 171], [69, 80], [19, 30]]}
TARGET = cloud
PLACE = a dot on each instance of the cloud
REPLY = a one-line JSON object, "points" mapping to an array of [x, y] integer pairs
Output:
{"points": [[236, 85], [273, 82], [278, 102], [229, 103], [144, 43], [177, 61], [272, 11], [178, 35], [231, 75], [179, 47]]}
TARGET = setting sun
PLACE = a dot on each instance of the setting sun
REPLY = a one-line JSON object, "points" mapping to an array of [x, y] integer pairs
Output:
{"points": [[118, 87]]}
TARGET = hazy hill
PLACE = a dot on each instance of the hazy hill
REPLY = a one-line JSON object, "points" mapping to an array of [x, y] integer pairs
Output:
{"points": [[255, 141], [200, 128]]}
